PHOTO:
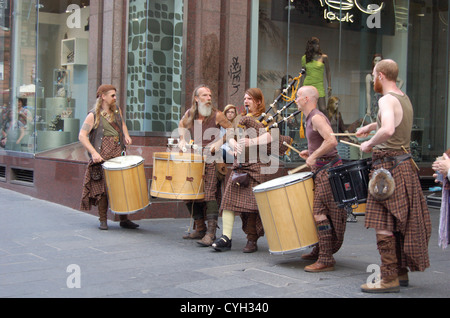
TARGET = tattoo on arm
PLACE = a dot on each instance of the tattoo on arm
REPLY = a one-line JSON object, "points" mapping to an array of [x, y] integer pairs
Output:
{"points": [[86, 127]]}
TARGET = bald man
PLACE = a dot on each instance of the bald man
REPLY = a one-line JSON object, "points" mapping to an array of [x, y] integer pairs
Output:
{"points": [[320, 156], [401, 221]]}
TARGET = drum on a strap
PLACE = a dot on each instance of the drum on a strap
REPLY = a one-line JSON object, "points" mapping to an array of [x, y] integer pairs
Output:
{"points": [[286, 208], [349, 182], [126, 184], [178, 176]]}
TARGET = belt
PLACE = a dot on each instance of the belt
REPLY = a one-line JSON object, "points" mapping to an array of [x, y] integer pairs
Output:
{"points": [[397, 159]]}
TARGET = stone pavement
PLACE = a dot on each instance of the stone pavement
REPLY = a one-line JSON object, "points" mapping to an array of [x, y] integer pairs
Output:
{"points": [[51, 251]]}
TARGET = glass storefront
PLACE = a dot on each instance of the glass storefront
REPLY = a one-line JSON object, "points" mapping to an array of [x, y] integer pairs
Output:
{"points": [[353, 34], [44, 63], [155, 53]]}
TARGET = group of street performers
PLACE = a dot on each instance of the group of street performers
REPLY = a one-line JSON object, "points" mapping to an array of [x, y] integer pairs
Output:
{"points": [[401, 221]]}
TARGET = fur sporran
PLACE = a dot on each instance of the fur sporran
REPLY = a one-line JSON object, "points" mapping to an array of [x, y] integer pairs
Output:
{"points": [[221, 170], [96, 172], [381, 184]]}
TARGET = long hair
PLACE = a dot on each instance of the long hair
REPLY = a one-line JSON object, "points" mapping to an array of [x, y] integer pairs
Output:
{"points": [[188, 121], [257, 95], [97, 109], [309, 51], [330, 106]]}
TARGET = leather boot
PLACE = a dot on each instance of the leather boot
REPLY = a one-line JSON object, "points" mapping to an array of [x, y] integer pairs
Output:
{"points": [[250, 247], [252, 235], [210, 234], [127, 223], [389, 268], [102, 212], [403, 278], [199, 230]]}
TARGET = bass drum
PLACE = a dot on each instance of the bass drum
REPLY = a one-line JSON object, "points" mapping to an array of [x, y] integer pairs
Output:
{"points": [[126, 184], [286, 208]]}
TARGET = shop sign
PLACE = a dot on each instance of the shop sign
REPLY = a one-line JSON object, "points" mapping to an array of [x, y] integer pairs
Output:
{"points": [[341, 11]]}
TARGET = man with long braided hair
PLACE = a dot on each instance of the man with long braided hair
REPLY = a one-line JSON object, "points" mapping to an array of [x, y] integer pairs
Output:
{"points": [[104, 135]]}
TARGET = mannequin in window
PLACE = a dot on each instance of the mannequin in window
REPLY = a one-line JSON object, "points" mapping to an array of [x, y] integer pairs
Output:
{"points": [[334, 115], [371, 96], [316, 64]]}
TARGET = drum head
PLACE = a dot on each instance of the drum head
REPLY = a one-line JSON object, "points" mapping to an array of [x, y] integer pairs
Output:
{"points": [[122, 162], [357, 165], [283, 181]]}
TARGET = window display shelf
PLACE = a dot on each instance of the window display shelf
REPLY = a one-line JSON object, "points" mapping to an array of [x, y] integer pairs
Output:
{"points": [[74, 51]]}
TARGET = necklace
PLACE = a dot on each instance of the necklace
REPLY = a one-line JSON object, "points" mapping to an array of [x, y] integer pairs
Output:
{"points": [[106, 115]]}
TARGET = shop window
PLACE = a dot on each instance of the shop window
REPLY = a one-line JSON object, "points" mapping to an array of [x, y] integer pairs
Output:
{"points": [[155, 51], [353, 36], [43, 69]]}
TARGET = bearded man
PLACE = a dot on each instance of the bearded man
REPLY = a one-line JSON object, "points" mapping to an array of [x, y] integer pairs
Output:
{"points": [[401, 221], [104, 135], [202, 122]]}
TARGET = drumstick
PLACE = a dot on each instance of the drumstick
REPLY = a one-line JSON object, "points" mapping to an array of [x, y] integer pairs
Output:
{"points": [[346, 134], [343, 134], [412, 160], [349, 143], [297, 169], [289, 146]]}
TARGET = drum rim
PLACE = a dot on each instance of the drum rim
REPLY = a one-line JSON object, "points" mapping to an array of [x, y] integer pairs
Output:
{"points": [[179, 160], [130, 212], [177, 194], [351, 165], [279, 186], [124, 168], [171, 155], [295, 250]]}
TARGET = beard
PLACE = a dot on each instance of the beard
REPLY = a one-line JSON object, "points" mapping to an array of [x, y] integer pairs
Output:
{"points": [[204, 109], [377, 87]]}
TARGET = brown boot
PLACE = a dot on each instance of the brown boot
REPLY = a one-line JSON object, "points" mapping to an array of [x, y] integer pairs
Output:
{"points": [[318, 267], [199, 230], [102, 212], [389, 268], [210, 235], [403, 278], [251, 247], [252, 235], [382, 286]]}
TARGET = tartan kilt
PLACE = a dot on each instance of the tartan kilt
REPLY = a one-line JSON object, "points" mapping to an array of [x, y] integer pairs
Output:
{"points": [[405, 213], [324, 204], [93, 190], [242, 199], [212, 184]]}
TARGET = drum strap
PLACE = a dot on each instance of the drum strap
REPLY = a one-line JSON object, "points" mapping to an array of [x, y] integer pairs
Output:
{"points": [[328, 165]]}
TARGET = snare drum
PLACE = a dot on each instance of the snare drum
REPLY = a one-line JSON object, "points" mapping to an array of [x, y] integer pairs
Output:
{"points": [[178, 176], [126, 184], [286, 208], [349, 182]]}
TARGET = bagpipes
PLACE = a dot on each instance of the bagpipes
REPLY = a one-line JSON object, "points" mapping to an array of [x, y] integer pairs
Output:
{"points": [[266, 118]]}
